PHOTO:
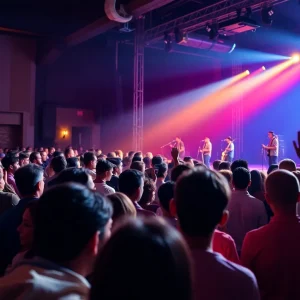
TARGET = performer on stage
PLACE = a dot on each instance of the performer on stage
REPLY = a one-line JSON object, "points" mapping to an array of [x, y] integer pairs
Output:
{"points": [[206, 151], [180, 146], [228, 153], [272, 148]]}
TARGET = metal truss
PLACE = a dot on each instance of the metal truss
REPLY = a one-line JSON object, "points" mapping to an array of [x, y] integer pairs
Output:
{"points": [[238, 114], [138, 88], [218, 12]]}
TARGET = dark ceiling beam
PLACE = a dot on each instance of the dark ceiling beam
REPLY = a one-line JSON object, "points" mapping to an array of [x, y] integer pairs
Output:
{"points": [[135, 7], [19, 32]]}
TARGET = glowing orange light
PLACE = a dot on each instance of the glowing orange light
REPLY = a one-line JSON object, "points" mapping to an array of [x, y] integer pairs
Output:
{"points": [[64, 133]]}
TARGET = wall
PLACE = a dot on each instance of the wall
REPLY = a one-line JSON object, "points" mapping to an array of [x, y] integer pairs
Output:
{"points": [[17, 80]]}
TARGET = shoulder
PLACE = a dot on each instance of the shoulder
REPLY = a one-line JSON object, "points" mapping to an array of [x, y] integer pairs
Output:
{"points": [[222, 236]]}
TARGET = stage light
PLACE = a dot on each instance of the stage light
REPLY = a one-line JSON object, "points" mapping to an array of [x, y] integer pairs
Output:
{"points": [[263, 67], [168, 42], [296, 58], [212, 31], [267, 14], [247, 72]]}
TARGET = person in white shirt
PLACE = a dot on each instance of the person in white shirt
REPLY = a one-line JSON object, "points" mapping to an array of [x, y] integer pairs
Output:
{"points": [[200, 202], [246, 212], [206, 151], [104, 172], [272, 148]]}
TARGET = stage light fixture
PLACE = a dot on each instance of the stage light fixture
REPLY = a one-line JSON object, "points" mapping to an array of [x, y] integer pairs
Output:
{"points": [[296, 58], [267, 15], [263, 67], [247, 72], [168, 42]]}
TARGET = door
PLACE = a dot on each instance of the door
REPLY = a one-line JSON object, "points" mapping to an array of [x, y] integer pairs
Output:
{"points": [[82, 137]]}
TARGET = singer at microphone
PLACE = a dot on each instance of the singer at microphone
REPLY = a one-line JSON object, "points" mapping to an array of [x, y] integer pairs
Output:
{"points": [[178, 143], [206, 151]]}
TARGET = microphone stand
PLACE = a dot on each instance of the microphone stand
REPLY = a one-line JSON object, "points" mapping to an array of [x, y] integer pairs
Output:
{"points": [[166, 145]]}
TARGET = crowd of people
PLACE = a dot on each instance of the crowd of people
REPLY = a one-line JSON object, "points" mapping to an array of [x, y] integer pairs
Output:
{"points": [[83, 225]]}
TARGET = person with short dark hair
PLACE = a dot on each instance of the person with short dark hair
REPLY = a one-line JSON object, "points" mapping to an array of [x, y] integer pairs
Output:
{"points": [[45, 159], [117, 170], [138, 165], [272, 168], [189, 160], [178, 171], [30, 184], [224, 165], [216, 164], [71, 223], [90, 161], [73, 162], [81, 176], [131, 183], [57, 164], [272, 251], [156, 160], [69, 152], [228, 175], [148, 197], [246, 212], [287, 164], [149, 249], [201, 199], [147, 162], [11, 164], [36, 158], [24, 158], [104, 172], [272, 148], [239, 163]]}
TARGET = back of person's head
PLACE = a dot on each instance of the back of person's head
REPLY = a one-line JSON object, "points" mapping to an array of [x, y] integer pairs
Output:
{"points": [[103, 166], [76, 175], [224, 165], [138, 154], [156, 160], [88, 157], [178, 170], [257, 184], [188, 159], [130, 154], [227, 174], [57, 153], [148, 192], [137, 158], [68, 151], [241, 178], [272, 168], [127, 161], [201, 197], [297, 174], [287, 164], [147, 162], [162, 170], [143, 247], [166, 194], [73, 162], [130, 181], [239, 163], [58, 164], [282, 191], [119, 153], [68, 216], [122, 206], [138, 165], [29, 180], [117, 161], [216, 164], [111, 154], [23, 155]]}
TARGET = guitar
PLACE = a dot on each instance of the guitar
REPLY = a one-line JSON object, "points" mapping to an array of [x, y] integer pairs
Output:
{"points": [[223, 156]]}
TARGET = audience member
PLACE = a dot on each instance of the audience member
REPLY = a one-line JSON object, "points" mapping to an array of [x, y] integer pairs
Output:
{"points": [[216, 164], [73, 162], [287, 164], [65, 246], [76, 175], [122, 207], [104, 172], [239, 163], [224, 165], [178, 170], [246, 212], [272, 252], [36, 158], [11, 164], [272, 168], [138, 165], [119, 153], [201, 199], [228, 175], [149, 155], [117, 170], [57, 164], [148, 197], [111, 155], [156, 160], [29, 180], [147, 162], [7, 200], [126, 163], [152, 251], [131, 183], [162, 172], [45, 159], [90, 161], [69, 152], [24, 158], [189, 160], [165, 195]]}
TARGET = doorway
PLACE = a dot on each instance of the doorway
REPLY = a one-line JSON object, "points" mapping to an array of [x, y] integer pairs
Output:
{"points": [[82, 137]]}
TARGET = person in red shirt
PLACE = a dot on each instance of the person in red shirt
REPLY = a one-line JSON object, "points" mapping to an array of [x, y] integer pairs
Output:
{"points": [[272, 251]]}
